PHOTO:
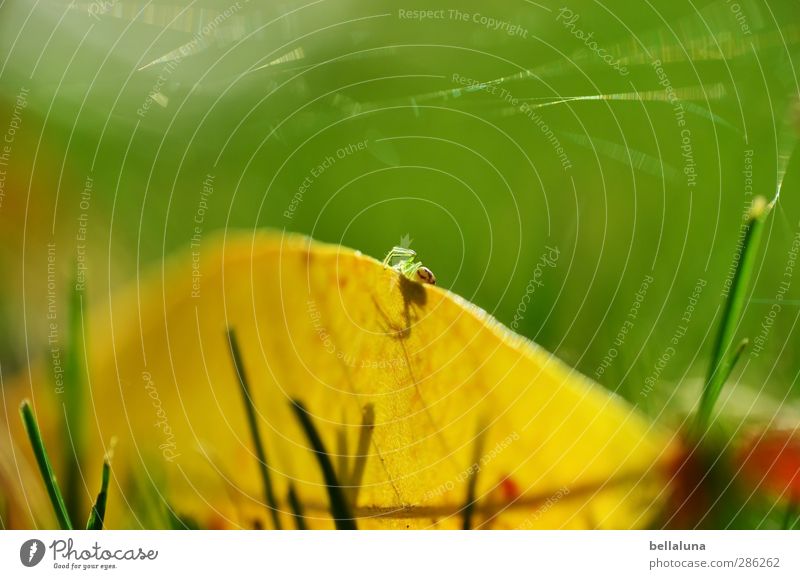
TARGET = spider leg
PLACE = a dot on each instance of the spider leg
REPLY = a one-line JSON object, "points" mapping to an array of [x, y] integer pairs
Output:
{"points": [[398, 252], [409, 268]]}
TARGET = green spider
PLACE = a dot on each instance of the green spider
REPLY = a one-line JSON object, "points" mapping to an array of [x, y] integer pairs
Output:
{"points": [[401, 259]]}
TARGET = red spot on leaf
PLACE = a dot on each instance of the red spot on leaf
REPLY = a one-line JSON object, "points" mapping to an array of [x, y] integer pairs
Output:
{"points": [[509, 489]]}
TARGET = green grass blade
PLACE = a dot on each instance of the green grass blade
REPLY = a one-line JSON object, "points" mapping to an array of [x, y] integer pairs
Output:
{"points": [[340, 508], [249, 405], [74, 387], [722, 358], [734, 360], [96, 517], [46, 470]]}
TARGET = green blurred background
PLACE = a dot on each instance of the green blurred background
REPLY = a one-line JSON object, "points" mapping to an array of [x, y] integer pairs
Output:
{"points": [[147, 99]]}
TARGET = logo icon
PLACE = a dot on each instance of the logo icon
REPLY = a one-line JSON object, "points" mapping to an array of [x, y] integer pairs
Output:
{"points": [[32, 552]]}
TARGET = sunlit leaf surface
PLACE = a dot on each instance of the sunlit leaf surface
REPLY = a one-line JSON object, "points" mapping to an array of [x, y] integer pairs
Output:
{"points": [[450, 388]]}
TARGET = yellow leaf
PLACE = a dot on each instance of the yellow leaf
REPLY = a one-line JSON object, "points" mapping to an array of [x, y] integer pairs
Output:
{"points": [[457, 400]]}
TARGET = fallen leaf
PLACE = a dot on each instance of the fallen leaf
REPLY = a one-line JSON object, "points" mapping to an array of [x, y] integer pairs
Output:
{"points": [[459, 402]]}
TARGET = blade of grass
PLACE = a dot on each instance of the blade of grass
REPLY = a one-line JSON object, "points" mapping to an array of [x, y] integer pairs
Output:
{"points": [[472, 483], [341, 452], [74, 382], [297, 509], [734, 360], [249, 406], [340, 508], [722, 359], [96, 517], [362, 452], [46, 470]]}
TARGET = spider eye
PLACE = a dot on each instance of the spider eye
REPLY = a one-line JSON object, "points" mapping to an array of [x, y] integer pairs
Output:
{"points": [[426, 275]]}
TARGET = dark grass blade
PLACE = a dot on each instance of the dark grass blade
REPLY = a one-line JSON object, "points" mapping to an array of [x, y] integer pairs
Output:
{"points": [[74, 385], [249, 405], [96, 517], [340, 508], [722, 358], [297, 508], [362, 451], [46, 470], [472, 483], [342, 456]]}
